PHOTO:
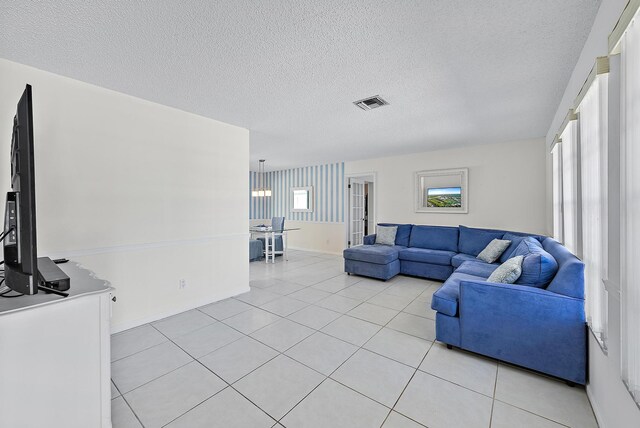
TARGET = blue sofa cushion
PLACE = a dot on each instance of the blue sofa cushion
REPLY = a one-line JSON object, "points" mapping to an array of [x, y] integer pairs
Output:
{"points": [[477, 268], [434, 238], [460, 258], [372, 270], [445, 300], [403, 233], [436, 257], [516, 238], [538, 266], [515, 241], [473, 241], [378, 254]]}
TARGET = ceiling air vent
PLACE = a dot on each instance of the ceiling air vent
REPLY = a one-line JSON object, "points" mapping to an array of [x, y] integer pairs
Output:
{"points": [[371, 103]]}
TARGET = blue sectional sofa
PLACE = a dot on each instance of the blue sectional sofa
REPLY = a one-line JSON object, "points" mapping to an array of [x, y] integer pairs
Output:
{"points": [[538, 322]]}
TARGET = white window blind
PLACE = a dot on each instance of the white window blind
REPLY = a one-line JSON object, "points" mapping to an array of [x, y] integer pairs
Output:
{"points": [[570, 196], [630, 207], [556, 160], [593, 125]]}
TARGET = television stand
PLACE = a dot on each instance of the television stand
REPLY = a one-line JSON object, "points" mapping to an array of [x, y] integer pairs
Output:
{"points": [[72, 335]]}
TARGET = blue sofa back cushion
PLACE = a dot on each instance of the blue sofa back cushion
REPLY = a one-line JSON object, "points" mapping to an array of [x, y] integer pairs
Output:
{"points": [[473, 241], [515, 241], [434, 238], [538, 267], [516, 238], [403, 233]]}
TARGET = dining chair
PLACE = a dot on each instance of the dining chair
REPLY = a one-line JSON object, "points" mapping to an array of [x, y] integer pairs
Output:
{"points": [[277, 229]]}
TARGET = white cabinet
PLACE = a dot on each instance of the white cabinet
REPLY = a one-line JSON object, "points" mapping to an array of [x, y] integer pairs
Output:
{"points": [[55, 356]]}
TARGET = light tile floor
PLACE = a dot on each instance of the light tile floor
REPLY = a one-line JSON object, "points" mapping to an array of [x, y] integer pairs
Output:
{"points": [[309, 346]]}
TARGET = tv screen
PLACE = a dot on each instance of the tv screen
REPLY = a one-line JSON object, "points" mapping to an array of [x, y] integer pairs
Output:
{"points": [[20, 254]]}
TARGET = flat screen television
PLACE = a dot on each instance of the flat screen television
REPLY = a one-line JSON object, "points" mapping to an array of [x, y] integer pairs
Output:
{"points": [[20, 249]]}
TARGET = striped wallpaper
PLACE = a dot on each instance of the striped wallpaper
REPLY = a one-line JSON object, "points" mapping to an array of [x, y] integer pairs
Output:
{"points": [[328, 193]]}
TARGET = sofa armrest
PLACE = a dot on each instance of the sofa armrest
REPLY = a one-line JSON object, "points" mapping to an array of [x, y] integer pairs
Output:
{"points": [[528, 326], [369, 239]]}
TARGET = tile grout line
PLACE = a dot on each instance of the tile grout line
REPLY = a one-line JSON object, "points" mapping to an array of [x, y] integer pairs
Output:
{"points": [[493, 399], [405, 388], [132, 411], [532, 413]]}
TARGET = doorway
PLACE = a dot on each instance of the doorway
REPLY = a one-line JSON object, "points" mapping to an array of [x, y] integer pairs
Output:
{"points": [[361, 202]]}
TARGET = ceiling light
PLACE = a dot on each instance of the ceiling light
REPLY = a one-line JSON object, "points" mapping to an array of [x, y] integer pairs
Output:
{"points": [[261, 191]]}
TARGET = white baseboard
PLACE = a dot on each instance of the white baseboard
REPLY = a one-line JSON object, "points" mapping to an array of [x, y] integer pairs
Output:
{"points": [[594, 406], [313, 250], [117, 328]]}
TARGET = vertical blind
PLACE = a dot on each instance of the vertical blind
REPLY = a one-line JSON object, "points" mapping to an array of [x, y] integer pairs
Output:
{"points": [[570, 200], [630, 209], [593, 126], [556, 158]]}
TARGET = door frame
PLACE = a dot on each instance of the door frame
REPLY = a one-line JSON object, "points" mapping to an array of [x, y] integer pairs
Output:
{"points": [[372, 177]]}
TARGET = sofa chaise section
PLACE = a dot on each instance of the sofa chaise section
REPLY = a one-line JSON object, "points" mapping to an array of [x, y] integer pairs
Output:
{"points": [[375, 261]]}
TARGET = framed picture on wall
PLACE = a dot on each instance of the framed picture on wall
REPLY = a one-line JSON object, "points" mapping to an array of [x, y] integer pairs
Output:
{"points": [[442, 191]]}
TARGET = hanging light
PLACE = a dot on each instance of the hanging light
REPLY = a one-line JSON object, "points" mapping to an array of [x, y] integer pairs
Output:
{"points": [[261, 191]]}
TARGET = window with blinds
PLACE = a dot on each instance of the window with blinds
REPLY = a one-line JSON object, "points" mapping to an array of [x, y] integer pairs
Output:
{"points": [[556, 161], [570, 189], [593, 126], [629, 46]]}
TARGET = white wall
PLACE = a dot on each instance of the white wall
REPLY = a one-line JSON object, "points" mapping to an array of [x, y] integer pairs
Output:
{"points": [[612, 404], [507, 185], [142, 194]]}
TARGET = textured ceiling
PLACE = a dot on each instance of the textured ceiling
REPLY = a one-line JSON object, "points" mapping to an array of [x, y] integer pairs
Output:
{"points": [[455, 72]]}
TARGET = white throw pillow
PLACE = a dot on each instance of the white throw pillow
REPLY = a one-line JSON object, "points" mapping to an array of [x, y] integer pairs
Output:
{"points": [[508, 272], [386, 235], [494, 250]]}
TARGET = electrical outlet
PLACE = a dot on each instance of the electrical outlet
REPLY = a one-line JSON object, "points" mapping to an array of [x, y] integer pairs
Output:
{"points": [[182, 283]]}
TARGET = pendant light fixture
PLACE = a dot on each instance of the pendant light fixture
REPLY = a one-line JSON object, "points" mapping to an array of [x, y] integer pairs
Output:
{"points": [[261, 191]]}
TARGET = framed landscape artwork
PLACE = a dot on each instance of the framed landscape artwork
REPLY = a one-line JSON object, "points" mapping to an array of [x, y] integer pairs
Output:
{"points": [[442, 191]]}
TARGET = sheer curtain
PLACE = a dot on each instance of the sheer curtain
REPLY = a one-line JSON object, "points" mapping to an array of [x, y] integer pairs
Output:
{"points": [[593, 125], [556, 159], [570, 187], [630, 209]]}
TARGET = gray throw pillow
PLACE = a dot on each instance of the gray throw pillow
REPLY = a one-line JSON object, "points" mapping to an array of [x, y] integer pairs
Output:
{"points": [[494, 250], [386, 235], [508, 272]]}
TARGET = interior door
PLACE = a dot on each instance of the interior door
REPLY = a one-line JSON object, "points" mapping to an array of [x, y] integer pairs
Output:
{"points": [[356, 211]]}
